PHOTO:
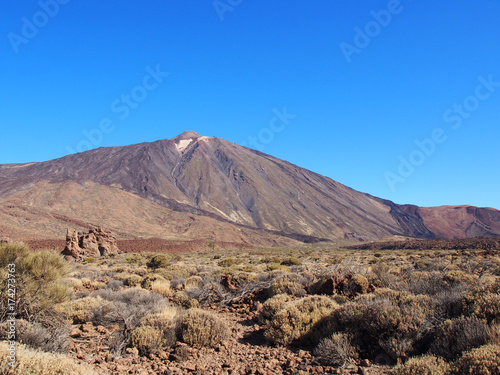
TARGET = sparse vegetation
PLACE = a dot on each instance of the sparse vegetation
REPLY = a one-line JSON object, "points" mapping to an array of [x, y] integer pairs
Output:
{"points": [[428, 312]]}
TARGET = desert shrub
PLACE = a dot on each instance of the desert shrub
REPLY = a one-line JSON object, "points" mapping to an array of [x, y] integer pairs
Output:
{"points": [[203, 328], [53, 338], [378, 326], [87, 260], [133, 259], [183, 299], [146, 339], [456, 336], [425, 365], [458, 277], [148, 281], [273, 259], [158, 261], [448, 303], [297, 318], [272, 306], [193, 282], [228, 262], [35, 362], [429, 283], [357, 284], [484, 302], [291, 261], [125, 307], [115, 284], [484, 360], [211, 292], [38, 281], [80, 310], [161, 287], [336, 350], [287, 284], [277, 267], [165, 322], [132, 280]]}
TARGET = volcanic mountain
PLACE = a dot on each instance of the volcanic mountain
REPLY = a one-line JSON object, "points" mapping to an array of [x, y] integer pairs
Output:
{"points": [[192, 187]]}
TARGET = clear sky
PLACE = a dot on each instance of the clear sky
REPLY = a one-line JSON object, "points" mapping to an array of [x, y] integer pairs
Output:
{"points": [[399, 99]]}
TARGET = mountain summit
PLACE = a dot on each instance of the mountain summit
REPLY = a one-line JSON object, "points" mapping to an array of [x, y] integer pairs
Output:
{"points": [[192, 186]]}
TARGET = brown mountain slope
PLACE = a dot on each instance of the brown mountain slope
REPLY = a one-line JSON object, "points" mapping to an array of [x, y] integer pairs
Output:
{"points": [[211, 178]]}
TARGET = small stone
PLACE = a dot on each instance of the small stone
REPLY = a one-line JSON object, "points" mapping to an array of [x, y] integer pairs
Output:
{"points": [[365, 363]]}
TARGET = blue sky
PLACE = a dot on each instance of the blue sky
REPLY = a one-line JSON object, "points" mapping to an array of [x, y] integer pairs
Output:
{"points": [[399, 99]]}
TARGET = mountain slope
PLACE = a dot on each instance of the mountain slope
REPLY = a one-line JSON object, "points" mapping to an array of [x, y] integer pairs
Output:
{"points": [[214, 179]]}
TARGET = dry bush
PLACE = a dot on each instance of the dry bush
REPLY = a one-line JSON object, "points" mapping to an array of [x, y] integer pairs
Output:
{"points": [[480, 361], [378, 325], [161, 287], [457, 277], [456, 336], [125, 307], [193, 282], [148, 281], [53, 338], [228, 262], [357, 284], [287, 284], [297, 318], [272, 306], [133, 280], [165, 322], [35, 362], [424, 282], [291, 261], [80, 310], [484, 302], [425, 365], [336, 350], [158, 261], [203, 328], [146, 339]]}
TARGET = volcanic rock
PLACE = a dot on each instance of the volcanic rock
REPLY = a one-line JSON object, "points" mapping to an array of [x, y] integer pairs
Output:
{"points": [[96, 243]]}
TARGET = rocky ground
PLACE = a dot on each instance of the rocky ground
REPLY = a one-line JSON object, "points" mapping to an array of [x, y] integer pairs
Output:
{"points": [[247, 352]]}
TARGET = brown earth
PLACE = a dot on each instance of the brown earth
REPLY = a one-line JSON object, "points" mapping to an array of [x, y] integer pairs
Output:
{"points": [[482, 243]]}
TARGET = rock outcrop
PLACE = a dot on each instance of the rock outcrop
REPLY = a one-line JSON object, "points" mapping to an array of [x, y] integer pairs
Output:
{"points": [[96, 243]]}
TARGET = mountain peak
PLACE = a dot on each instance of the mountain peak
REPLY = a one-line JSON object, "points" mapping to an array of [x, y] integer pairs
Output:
{"points": [[187, 135]]}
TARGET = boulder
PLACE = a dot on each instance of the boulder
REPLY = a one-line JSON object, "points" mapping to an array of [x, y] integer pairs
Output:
{"points": [[96, 243]]}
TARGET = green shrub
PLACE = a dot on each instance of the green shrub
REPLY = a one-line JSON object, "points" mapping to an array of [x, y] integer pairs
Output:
{"points": [[158, 261], [203, 328], [87, 260], [297, 318], [480, 361], [38, 281], [425, 365]]}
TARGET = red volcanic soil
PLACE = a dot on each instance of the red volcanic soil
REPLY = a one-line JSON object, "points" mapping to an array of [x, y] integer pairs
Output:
{"points": [[483, 243], [152, 245]]}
